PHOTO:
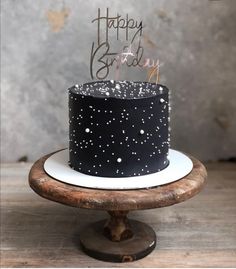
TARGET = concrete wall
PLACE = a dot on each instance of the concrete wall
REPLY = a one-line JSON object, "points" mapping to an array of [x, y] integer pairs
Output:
{"points": [[46, 48]]}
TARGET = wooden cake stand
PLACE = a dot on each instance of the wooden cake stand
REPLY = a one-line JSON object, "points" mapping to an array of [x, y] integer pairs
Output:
{"points": [[117, 239]]}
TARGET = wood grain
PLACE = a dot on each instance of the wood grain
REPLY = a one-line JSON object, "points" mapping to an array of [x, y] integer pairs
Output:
{"points": [[111, 200], [200, 232], [95, 244]]}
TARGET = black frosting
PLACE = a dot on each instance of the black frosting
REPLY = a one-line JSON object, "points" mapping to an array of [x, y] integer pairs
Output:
{"points": [[118, 128]]}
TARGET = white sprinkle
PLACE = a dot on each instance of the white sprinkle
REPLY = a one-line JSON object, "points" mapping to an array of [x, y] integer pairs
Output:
{"points": [[141, 131], [160, 89], [117, 86], [87, 130], [107, 93], [119, 160], [162, 100]]}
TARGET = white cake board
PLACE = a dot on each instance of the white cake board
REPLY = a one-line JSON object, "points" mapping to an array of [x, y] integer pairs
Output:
{"points": [[57, 167]]}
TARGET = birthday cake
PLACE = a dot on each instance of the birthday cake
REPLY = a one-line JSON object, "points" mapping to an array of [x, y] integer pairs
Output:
{"points": [[118, 128]]}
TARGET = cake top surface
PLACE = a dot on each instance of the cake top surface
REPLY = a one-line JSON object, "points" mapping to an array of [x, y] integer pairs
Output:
{"points": [[119, 89]]}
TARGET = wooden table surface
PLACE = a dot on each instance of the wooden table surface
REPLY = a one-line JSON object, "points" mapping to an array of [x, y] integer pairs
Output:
{"points": [[200, 232]]}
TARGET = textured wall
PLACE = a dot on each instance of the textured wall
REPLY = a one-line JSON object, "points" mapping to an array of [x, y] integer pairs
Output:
{"points": [[46, 46]]}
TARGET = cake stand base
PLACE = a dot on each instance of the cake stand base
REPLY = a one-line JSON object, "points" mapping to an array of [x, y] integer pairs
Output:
{"points": [[118, 239]]}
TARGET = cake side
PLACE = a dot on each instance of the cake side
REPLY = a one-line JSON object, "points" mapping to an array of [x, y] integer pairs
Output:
{"points": [[118, 129]]}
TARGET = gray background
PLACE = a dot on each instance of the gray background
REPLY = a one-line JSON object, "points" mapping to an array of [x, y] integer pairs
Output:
{"points": [[45, 49]]}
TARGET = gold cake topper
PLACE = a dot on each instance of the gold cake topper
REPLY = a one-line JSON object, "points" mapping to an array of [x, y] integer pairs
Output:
{"points": [[154, 72], [103, 57]]}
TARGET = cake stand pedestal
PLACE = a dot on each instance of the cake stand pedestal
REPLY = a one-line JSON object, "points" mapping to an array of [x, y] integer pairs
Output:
{"points": [[117, 239]]}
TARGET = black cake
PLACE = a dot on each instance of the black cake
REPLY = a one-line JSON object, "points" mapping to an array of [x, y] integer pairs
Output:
{"points": [[118, 128]]}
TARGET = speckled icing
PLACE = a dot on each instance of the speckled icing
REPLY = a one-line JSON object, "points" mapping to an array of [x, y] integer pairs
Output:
{"points": [[118, 128], [120, 90]]}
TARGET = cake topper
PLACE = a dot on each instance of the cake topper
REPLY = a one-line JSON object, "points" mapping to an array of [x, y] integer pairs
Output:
{"points": [[103, 57]]}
